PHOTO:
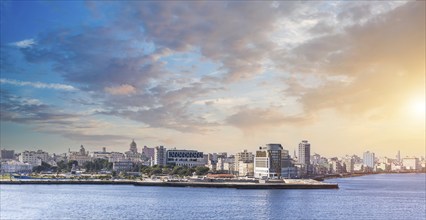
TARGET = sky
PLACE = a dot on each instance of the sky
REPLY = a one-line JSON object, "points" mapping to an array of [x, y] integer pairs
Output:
{"points": [[214, 76]]}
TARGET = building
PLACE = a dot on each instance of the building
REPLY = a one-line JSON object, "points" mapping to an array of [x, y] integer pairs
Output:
{"points": [[368, 159], [123, 165], [348, 164], [160, 156], [305, 153], [100, 154], [411, 163], [115, 156], [81, 156], [34, 158], [148, 153], [13, 166], [133, 147], [7, 154], [246, 169], [267, 162], [133, 154], [382, 167], [189, 158], [242, 157]]}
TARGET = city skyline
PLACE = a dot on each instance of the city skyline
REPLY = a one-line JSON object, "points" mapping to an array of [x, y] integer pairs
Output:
{"points": [[349, 77]]}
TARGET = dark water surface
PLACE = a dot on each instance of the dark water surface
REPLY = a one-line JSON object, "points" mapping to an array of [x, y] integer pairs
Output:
{"points": [[384, 196]]}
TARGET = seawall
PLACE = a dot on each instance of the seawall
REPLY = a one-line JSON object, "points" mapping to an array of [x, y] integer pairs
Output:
{"points": [[184, 184]]}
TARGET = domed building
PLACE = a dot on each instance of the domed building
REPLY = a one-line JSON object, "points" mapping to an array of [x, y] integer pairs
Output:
{"points": [[133, 147], [133, 154]]}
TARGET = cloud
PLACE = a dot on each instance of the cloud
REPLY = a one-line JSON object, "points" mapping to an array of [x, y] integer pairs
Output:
{"points": [[125, 89], [49, 119], [257, 119], [24, 43], [383, 58], [39, 85], [124, 64]]}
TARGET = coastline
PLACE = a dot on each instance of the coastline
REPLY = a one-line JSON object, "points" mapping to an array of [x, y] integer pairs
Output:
{"points": [[235, 185]]}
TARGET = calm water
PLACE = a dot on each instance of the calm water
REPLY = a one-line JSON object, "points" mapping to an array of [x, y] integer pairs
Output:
{"points": [[392, 196]]}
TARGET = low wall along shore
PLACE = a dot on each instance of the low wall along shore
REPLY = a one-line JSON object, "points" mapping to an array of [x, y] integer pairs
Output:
{"points": [[236, 185]]}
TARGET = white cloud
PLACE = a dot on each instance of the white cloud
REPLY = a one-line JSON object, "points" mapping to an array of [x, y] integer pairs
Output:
{"points": [[38, 85], [24, 43]]}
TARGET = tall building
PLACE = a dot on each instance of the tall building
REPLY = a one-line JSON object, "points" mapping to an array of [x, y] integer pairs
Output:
{"points": [[368, 159], [305, 153], [160, 157], [267, 163]]}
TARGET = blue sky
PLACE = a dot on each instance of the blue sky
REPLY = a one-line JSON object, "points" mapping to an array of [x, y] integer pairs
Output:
{"points": [[213, 76]]}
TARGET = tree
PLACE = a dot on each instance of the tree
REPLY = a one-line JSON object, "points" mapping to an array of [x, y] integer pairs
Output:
{"points": [[201, 170], [43, 167]]}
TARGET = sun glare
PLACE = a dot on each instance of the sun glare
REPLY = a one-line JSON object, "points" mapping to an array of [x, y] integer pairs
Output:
{"points": [[417, 108]]}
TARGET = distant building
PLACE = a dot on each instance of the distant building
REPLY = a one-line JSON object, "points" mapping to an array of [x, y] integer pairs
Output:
{"points": [[34, 158], [304, 153], [242, 157], [305, 157], [115, 156], [122, 165], [7, 154], [411, 163], [133, 154], [133, 147], [60, 157], [160, 156], [267, 162], [189, 158], [382, 167], [348, 164], [13, 166], [246, 169], [398, 157], [148, 153], [368, 159], [81, 156]]}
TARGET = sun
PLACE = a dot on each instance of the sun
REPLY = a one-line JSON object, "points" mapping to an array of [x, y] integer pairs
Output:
{"points": [[417, 108]]}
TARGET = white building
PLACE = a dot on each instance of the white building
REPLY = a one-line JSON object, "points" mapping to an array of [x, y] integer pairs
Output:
{"points": [[411, 163], [189, 158], [246, 169], [13, 166], [34, 157], [242, 157], [368, 159]]}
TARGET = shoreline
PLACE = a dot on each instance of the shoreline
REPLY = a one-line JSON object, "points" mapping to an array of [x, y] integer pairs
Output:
{"points": [[235, 185]]}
